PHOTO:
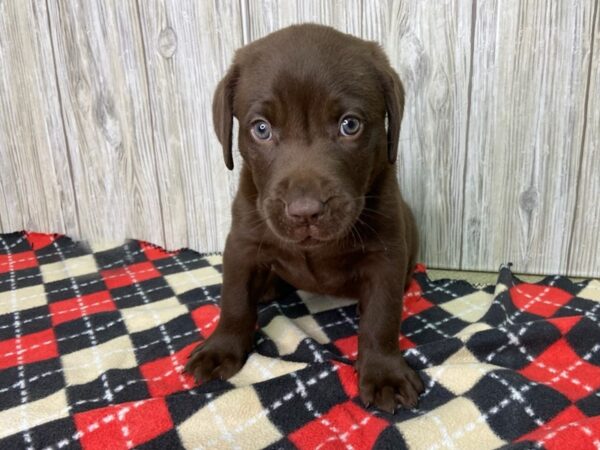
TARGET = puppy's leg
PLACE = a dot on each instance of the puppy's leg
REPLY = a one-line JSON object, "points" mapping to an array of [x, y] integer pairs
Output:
{"points": [[223, 354], [385, 379]]}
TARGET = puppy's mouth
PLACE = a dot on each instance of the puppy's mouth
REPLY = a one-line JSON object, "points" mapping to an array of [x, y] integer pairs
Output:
{"points": [[308, 236], [334, 222], [309, 242]]}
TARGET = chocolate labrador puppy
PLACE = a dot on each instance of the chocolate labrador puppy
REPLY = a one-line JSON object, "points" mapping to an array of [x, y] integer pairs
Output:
{"points": [[318, 204]]}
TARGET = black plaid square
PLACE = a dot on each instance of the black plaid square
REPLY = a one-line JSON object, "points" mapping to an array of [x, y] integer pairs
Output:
{"points": [[111, 387], [512, 405], [69, 288], [154, 343], [430, 325], [297, 399], [89, 331], [338, 323], [200, 296], [142, 292], [31, 320], [513, 347], [39, 379], [60, 431], [18, 279]]}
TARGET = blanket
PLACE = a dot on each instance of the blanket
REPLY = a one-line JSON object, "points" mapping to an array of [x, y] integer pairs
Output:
{"points": [[93, 340]]}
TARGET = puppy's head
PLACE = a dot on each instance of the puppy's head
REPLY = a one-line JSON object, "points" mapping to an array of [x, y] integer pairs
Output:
{"points": [[311, 103]]}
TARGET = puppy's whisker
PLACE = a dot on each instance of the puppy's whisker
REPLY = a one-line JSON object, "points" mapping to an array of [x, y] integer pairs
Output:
{"points": [[374, 211], [362, 222], [254, 225], [249, 213], [362, 243]]}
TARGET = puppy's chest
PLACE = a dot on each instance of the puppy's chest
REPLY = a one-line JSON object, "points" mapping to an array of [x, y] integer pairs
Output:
{"points": [[320, 275]]}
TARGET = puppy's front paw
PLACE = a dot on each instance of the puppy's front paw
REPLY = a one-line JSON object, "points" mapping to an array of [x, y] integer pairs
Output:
{"points": [[219, 357], [386, 380]]}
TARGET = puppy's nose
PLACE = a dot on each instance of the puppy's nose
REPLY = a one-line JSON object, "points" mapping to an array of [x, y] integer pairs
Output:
{"points": [[305, 208]]}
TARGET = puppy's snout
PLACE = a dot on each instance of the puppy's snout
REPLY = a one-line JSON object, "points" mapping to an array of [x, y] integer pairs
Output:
{"points": [[305, 209]]}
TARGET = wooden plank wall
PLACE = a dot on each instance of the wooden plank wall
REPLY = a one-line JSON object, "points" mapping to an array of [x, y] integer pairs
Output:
{"points": [[105, 126]]}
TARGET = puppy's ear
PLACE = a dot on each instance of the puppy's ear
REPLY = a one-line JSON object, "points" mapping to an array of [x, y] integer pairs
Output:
{"points": [[222, 108], [394, 104]]}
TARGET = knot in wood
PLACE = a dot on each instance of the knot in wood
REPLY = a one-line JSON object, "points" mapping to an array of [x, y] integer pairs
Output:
{"points": [[529, 199], [167, 42]]}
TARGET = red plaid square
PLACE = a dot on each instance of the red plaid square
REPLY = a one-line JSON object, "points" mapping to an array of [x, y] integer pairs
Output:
{"points": [[406, 343], [124, 276], [123, 426], [348, 377], [163, 376], [414, 304], [348, 346], [86, 305], [345, 425], [564, 324], [40, 240], [562, 369], [569, 429], [539, 299], [206, 319], [153, 252], [420, 268], [31, 348], [17, 261]]}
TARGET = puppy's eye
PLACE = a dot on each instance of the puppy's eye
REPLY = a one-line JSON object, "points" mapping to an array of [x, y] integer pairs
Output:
{"points": [[350, 126], [261, 130]]}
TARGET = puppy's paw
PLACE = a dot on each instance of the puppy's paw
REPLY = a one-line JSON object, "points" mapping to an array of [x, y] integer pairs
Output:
{"points": [[385, 380], [219, 357]]}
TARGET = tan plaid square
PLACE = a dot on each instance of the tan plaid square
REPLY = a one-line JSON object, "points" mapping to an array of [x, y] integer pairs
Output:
{"points": [[88, 364], [23, 417], [71, 267], [456, 424], [236, 419], [144, 317], [22, 299]]}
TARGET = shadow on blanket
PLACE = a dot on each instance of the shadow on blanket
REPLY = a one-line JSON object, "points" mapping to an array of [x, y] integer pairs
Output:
{"points": [[93, 340]]}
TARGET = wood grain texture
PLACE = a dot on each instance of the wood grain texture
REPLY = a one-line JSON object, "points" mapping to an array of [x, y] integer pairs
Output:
{"points": [[527, 108], [36, 190], [189, 46], [265, 17], [428, 43], [102, 80], [106, 127], [584, 250]]}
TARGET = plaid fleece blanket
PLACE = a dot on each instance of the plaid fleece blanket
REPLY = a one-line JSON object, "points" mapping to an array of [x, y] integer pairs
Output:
{"points": [[93, 340]]}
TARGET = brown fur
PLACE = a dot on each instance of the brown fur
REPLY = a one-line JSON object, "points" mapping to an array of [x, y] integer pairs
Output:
{"points": [[315, 209]]}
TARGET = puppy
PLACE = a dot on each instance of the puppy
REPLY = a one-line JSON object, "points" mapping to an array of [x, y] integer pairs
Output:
{"points": [[318, 205]]}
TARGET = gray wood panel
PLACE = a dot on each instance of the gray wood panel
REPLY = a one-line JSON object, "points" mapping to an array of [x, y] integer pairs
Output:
{"points": [[36, 191], [189, 46], [584, 254], [106, 127], [429, 45], [104, 91], [265, 17], [525, 133]]}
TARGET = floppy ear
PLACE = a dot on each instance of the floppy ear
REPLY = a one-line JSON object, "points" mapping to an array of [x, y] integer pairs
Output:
{"points": [[394, 104], [222, 108]]}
